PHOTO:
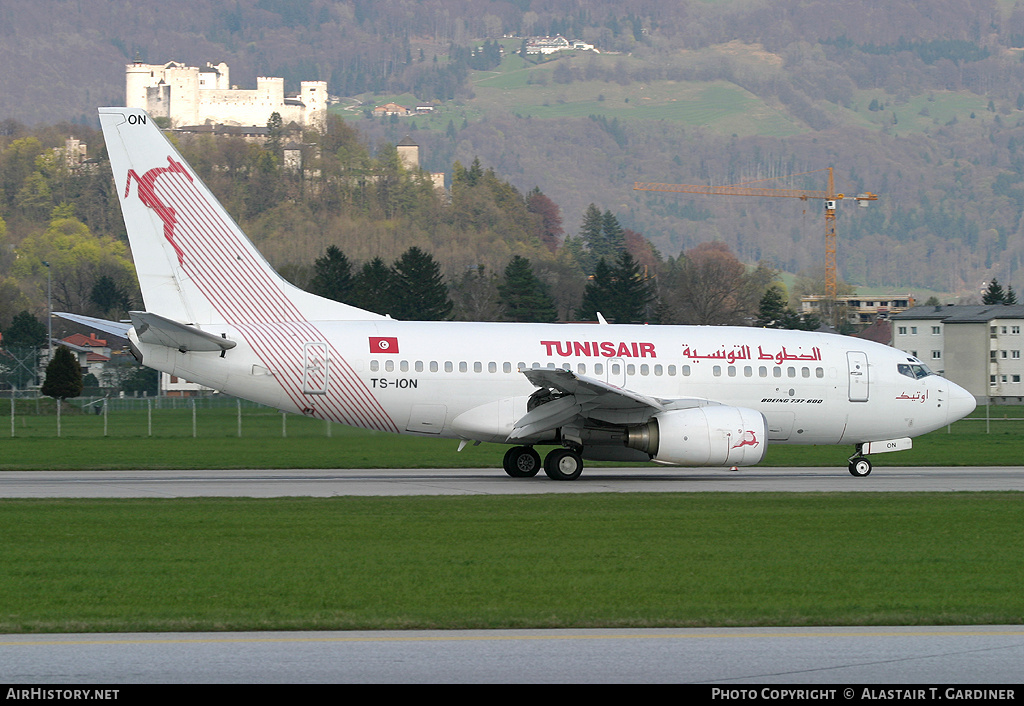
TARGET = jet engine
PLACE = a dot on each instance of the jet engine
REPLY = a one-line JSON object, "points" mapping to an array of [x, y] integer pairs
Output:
{"points": [[703, 436]]}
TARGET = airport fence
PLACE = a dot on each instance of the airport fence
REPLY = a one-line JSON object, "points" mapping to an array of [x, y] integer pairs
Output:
{"points": [[218, 415], [32, 415]]}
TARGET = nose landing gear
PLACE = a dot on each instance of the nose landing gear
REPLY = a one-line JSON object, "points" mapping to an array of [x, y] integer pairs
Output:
{"points": [[859, 466]]}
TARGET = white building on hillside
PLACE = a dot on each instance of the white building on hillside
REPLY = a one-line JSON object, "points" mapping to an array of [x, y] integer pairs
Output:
{"points": [[189, 95], [551, 45]]}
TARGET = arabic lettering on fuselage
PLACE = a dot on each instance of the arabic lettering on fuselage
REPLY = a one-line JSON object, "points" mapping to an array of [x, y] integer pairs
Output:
{"points": [[744, 353], [917, 396]]}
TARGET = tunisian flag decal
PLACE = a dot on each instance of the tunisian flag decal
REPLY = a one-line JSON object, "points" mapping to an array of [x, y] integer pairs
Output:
{"points": [[383, 344]]}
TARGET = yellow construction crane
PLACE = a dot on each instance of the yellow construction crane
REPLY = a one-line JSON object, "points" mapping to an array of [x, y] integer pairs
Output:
{"points": [[830, 197]]}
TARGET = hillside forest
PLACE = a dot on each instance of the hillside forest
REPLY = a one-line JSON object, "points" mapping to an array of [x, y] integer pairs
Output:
{"points": [[481, 250], [920, 103]]}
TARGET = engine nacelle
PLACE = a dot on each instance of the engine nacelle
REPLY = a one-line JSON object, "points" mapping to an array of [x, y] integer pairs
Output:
{"points": [[703, 436]]}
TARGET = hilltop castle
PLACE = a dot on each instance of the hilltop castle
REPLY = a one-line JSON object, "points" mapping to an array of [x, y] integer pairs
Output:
{"points": [[189, 95]]}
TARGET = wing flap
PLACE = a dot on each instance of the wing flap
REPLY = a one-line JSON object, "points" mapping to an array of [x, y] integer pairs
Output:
{"points": [[548, 416], [584, 399], [599, 391]]}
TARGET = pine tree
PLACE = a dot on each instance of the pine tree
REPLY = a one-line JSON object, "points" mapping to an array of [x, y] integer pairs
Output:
{"points": [[613, 237], [598, 295], [63, 376], [332, 276], [21, 344], [372, 287], [618, 292], [275, 131], [523, 296], [418, 288], [109, 297], [633, 293], [590, 237], [774, 313], [994, 294], [25, 331], [772, 308], [593, 222]]}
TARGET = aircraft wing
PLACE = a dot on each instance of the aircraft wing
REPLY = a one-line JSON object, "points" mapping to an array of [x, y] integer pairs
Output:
{"points": [[578, 399]]}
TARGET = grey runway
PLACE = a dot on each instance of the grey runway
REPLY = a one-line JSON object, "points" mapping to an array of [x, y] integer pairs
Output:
{"points": [[492, 481], [846, 658]]}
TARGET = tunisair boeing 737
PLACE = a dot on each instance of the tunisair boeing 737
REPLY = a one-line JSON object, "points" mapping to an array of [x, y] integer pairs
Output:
{"points": [[217, 314]]}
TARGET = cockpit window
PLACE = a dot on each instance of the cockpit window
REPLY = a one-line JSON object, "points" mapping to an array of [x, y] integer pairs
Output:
{"points": [[914, 371]]}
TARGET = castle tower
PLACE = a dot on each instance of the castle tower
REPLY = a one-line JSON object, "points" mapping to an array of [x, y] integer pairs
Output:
{"points": [[138, 77], [409, 153], [314, 96]]}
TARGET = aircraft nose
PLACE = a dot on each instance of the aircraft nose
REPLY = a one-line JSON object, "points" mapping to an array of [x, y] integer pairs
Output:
{"points": [[961, 403]]}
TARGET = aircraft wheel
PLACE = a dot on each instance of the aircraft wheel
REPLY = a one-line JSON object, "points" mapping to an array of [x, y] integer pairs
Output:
{"points": [[860, 467], [521, 462], [563, 464]]}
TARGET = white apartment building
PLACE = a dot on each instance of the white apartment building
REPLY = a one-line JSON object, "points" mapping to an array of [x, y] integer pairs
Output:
{"points": [[976, 346]]}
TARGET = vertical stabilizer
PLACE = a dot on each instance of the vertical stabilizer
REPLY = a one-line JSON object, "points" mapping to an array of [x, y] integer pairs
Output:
{"points": [[195, 265]]}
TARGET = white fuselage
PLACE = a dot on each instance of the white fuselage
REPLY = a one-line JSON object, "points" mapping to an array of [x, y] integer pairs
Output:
{"points": [[463, 380]]}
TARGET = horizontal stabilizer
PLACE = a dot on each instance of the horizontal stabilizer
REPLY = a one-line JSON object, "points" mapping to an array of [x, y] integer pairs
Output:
{"points": [[114, 328], [155, 329]]}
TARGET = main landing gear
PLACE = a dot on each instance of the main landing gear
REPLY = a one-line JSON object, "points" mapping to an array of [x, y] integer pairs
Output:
{"points": [[559, 464]]}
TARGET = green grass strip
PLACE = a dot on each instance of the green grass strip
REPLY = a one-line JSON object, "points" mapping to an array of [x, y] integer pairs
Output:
{"points": [[634, 560], [269, 440]]}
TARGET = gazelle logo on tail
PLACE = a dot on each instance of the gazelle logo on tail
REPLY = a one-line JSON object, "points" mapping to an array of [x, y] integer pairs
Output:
{"points": [[147, 194]]}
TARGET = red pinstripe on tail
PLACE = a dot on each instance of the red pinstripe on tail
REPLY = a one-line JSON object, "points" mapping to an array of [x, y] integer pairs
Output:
{"points": [[218, 276]]}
